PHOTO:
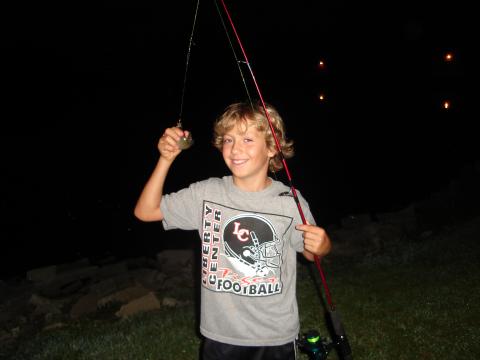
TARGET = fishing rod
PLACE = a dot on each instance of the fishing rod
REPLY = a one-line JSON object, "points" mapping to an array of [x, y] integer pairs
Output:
{"points": [[315, 346], [186, 141]]}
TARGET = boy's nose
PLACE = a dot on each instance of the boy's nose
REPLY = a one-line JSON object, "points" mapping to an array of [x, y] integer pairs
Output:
{"points": [[236, 147]]}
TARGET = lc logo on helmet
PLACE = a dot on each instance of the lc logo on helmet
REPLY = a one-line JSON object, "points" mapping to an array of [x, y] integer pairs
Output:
{"points": [[250, 240]]}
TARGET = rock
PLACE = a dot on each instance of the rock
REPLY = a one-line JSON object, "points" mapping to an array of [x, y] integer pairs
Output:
{"points": [[43, 274], [169, 302], [125, 295], [146, 303], [85, 305]]}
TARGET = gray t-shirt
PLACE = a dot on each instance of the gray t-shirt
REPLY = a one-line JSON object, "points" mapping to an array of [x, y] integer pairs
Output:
{"points": [[249, 245]]}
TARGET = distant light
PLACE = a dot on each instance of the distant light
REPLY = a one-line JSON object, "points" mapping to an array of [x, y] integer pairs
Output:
{"points": [[448, 57], [321, 97], [446, 104], [321, 64]]}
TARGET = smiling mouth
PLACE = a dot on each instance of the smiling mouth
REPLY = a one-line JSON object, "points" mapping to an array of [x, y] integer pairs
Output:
{"points": [[238, 162]]}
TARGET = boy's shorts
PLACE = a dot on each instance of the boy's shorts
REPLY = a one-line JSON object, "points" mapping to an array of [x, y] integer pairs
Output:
{"points": [[214, 350]]}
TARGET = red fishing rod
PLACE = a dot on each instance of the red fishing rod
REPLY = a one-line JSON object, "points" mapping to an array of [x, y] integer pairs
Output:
{"points": [[342, 344], [287, 171]]}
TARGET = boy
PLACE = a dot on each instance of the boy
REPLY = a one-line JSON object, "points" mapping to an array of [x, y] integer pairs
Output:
{"points": [[250, 230]]}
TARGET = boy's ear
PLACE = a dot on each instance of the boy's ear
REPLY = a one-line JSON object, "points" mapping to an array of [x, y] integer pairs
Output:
{"points": [[272, 152]]}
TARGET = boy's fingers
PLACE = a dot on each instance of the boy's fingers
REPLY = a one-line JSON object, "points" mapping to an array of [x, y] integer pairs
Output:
{"points": [[174, 133], [303, 227]]}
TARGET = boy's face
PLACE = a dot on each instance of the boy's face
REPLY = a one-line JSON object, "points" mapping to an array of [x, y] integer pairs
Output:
{"points": [[246, 154]]}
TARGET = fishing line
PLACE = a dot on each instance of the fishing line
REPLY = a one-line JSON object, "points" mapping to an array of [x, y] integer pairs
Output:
{"points": [[187, 62], [234, 53], [237, 60], [186, 141]]}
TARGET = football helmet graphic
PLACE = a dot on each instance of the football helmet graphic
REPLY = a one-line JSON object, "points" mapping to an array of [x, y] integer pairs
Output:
{"points": [[251, 239]]}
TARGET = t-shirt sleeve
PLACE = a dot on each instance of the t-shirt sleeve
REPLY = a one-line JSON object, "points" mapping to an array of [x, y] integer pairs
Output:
{"points": [[297, 238], [183, 209]]}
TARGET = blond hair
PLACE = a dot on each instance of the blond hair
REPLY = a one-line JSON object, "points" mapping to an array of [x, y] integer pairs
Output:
{"points": [[253, 114]]}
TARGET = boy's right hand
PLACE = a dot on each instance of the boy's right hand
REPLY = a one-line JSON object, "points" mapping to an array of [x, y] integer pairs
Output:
{"points": [[168, 143]]}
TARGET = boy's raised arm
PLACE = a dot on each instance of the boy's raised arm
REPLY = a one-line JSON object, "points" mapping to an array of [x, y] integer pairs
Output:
{"points": [[148, 204]]}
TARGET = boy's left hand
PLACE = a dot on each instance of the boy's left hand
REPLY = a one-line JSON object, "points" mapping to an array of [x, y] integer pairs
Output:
{"points": [[315, 238]]}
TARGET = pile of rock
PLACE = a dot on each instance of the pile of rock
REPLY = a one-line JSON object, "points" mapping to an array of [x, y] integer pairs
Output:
{"points": [[50, 296]]}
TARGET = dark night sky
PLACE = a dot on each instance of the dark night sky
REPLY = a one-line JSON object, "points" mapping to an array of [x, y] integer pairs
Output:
{"points": [[88, 88]]}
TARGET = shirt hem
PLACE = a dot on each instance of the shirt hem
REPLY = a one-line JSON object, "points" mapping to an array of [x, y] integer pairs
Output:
{"points": [[249, 342]]}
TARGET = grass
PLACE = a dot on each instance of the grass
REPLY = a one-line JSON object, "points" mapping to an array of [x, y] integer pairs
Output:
{"points": [[165, 334], [416, 301], [421, 303]]}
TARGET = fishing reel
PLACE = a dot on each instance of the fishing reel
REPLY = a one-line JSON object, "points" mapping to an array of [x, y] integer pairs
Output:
{"points": [[317, 348]]}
